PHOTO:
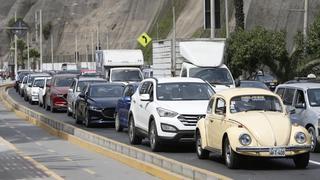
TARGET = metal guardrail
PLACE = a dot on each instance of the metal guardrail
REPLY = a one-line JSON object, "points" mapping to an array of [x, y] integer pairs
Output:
{"points": [[173, 166]]}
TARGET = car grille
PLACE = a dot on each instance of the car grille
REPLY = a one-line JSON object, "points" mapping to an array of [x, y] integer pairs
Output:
{"points": [[189, 120], [108, 112]]}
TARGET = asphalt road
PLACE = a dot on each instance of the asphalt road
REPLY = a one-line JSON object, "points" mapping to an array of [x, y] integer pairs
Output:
{"points": [[251, 169], [65, 159]]}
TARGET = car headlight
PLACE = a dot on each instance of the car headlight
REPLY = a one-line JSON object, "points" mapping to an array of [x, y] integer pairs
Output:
{"points": [[168, 128], [300, 137], [166, 113], [245, 139], [94, 108]]}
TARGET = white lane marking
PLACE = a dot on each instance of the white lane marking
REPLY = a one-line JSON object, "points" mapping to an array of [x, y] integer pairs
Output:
{"points": [[12, 127], [39, 144], [314, 162], [29, 138], [51, 150], [89, 171], [67, 159]]}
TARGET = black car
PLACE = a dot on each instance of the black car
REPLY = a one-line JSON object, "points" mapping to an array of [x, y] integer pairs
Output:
{"points": [[268, 79], [253, 84], [97, 103]]}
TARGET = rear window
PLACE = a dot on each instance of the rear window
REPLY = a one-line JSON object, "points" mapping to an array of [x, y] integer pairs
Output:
{"points": [[63, 82]]}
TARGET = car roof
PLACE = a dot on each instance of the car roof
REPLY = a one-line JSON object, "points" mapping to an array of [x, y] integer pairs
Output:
{"points": [[39, 74], [179, 79], [304, 86], [107, 83], [229, 93], [65, 75], [91, 79]]}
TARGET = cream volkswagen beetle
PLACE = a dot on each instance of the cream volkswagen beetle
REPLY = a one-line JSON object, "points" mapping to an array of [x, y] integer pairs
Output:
{"points": [[250, 122]]}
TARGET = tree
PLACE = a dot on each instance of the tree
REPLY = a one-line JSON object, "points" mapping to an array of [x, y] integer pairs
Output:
{"points": [[10, 24], [248, 51], [239, 15], [47, 30]]}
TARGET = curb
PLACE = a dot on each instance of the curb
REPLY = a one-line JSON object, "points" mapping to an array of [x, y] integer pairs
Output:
{"points": [[151, 163]]}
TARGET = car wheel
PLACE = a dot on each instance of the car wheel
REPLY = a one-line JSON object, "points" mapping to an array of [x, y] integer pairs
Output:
{"points": [[76, 117], [133, 137], [117, 123], [302, 160], [231, 158], [201, 153], [155, 143], [69, 113], [25, 98], [87, 120], [315, 146], [53, 110]]}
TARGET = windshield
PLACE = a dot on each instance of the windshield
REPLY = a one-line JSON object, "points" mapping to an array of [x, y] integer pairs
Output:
{"points": [[103, 91], [25, 79], [184, 91], [38, 83], [255, 103], [65, 82], [253, 84], [124, 75], [265, 77], [82, 84], [212, 75], [314, 97], [30, 80]]}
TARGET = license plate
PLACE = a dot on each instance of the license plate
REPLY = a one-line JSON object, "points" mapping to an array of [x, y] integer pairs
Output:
{"points": [[277, 151]]}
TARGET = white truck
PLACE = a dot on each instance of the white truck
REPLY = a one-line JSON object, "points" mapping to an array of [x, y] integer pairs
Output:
{"points": [[194, 58], [120, 65]]}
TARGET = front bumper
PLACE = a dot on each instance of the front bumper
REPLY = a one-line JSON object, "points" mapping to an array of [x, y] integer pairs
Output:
{"points": [[265, 151], [180, 136], [101, 117]]}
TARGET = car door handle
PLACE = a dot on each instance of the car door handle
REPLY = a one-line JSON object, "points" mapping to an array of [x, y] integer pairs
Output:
{"points": [[211, 120], [133, 101], [141, 105]]}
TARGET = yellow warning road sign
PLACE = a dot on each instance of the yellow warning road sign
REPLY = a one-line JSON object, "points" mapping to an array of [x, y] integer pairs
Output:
{"points": [[144, 39]]}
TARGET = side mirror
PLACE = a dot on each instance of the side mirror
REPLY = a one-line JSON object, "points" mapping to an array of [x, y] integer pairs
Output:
{"points": [[41, 86], [81, 95], [145, 97], [29, 85], [127, 99], [48, 85], [237, 82], [70, 90], [300, 105]]}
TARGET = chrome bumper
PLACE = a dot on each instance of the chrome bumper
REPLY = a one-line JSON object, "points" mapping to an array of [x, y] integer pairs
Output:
{"points": [[267, 149]]}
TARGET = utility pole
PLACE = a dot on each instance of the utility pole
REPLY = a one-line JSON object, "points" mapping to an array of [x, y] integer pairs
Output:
{"points": [[227, 18], [92, 48], [107, 38], [15, 50], [28, 49], [173, 39], [98, 42], [40, 13], [305, 19], [212, 20], [76, 48], [52, 52]]}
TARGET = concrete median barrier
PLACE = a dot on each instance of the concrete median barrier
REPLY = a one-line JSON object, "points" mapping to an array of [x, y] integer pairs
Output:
{"points": [[149, 162]]}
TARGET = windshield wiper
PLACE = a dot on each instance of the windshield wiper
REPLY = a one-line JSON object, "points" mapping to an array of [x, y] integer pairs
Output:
{"points": [[255, 109]]}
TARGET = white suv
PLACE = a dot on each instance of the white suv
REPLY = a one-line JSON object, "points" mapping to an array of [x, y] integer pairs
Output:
{"points": [[302, 101], [167, 109]]}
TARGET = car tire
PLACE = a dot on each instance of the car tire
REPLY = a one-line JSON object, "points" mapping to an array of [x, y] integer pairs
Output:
{"points": [[117, 125], [155, 142], [87, 120], [25, 98], [315, 145], [47, 107], [301, 161], [69, 113], [76, 117], [231, 158], [201, 153], [52, 109], [133, 137]]}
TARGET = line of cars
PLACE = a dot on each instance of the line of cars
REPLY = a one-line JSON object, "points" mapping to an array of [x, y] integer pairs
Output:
{"points": [[235, 123]]}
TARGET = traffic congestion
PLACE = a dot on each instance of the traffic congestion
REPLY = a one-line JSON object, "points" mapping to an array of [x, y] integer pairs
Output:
{"points": [[232, 118]]}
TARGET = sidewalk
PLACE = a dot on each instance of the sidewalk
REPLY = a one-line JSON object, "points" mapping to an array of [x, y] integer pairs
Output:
{"points": [[13, 165], [58, 156]]}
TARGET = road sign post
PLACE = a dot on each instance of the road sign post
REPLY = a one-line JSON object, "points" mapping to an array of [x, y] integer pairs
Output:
{"points": [[144, 39]]}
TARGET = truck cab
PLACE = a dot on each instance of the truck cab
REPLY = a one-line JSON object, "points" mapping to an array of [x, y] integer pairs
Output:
{"points": [[120, 65], [204, 60]]}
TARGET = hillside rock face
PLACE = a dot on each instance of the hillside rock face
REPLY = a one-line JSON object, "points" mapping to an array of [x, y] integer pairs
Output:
{"points": [[118, 23]]}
